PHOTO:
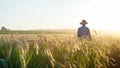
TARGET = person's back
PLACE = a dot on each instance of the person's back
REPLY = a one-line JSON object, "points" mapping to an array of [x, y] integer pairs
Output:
{"points": [[83, 31]]}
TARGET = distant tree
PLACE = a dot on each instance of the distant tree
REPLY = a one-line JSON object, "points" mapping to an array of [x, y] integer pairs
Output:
{"points": [[3, 28]]}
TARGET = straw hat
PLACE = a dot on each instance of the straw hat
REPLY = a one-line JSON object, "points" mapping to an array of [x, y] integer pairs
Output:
{"points": [[83, 22]]}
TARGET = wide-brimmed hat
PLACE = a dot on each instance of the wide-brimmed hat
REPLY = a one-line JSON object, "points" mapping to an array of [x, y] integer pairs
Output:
{"points": [[83, 22]]}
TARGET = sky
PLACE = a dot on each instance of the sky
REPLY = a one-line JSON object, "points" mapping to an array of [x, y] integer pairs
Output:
{"points": [[59, 14]]}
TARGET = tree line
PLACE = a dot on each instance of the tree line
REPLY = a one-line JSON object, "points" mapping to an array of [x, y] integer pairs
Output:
{"points": [[4, 29]]}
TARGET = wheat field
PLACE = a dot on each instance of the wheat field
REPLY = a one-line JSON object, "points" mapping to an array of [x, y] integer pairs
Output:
{"points": [[58, 51]]}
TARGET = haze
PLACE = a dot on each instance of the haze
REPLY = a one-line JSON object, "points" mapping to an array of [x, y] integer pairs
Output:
{"points": [[59, 14]]}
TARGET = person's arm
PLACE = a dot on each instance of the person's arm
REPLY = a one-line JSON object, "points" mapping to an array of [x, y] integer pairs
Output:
{"points": [[89, 35], [78, 33]]}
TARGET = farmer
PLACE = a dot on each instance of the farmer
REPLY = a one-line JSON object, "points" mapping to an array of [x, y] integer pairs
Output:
{"points": [[83, 31]]}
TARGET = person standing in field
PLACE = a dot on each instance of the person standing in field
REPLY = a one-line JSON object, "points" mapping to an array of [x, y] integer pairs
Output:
{"points": [[83, 31]]}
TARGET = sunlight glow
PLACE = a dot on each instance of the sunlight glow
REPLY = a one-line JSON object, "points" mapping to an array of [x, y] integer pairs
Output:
{"points": [[63, 14]]}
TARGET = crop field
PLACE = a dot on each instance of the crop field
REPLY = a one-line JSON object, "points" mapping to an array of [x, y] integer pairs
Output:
{"points": [[58, 51]]}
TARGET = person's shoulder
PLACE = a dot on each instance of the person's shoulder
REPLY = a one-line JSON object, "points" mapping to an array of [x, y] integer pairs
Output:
{"points": [[79, 28], [86, 27]]}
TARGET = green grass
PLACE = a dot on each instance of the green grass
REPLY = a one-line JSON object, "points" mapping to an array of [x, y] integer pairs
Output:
{"points": [[59, 52]]}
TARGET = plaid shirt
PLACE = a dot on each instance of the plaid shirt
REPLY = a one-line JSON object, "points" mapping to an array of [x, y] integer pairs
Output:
{"points": [[83, 32]]}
